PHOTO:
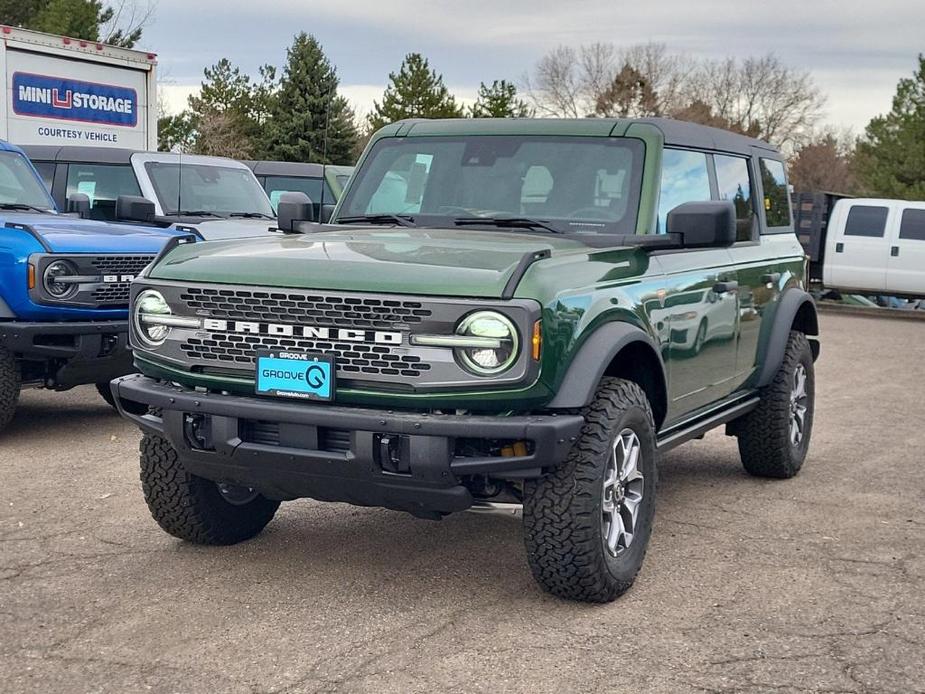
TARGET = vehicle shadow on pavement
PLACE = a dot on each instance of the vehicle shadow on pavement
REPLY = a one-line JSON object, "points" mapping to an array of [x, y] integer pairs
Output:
{"points": [[42, 412]]}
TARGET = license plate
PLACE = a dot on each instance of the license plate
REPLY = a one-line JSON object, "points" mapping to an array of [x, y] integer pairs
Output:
{"points": [[295, 375]]}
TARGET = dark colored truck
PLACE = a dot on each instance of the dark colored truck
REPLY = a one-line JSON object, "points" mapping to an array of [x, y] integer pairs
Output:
{"points": [[500, 312]]}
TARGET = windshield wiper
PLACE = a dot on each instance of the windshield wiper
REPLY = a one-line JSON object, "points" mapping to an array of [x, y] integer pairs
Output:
{"points": [[21, 206], [197, 213], [250, 215], [400, 219], [511, 222]]}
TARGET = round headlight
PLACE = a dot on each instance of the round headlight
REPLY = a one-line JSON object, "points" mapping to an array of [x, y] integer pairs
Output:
{"points": [[149, 305], [492, 358], [51, 279]]}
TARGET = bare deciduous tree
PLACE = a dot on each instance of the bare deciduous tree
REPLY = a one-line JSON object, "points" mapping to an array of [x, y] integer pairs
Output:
{"points": [[758, 96], [826, 163]]}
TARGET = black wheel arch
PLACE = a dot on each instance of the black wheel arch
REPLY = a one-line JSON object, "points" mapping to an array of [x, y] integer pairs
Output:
{"points": [[621, 350], [796, 310]]}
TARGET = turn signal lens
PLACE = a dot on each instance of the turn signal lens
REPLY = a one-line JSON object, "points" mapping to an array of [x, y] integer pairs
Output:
{"points": [[31, 276], [537, 341]]}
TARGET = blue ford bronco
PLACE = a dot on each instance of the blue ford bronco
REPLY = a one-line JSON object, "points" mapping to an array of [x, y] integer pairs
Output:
{"points": [[64, 288]]}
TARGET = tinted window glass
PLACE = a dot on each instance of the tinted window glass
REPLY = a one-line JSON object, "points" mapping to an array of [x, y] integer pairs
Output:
{"points": [[197, 188], [102, 183], [18, 184], [576, 184], [684, 179], [46, 170], [866, 220], [734, 182], [913, 225], [776, 195], [277, 185]]}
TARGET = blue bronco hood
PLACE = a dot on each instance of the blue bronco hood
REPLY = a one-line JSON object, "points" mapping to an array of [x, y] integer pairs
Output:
{"points": [[64, 234]]}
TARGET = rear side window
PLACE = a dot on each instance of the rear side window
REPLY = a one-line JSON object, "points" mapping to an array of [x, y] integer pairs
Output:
{"points": [[103, 184], [684, 179], [912, 225], [734, 183], [277, 185], [866, 220], [776, 195]]}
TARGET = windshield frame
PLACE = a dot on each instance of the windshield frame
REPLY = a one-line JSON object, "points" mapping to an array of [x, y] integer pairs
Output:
{"points": [[45, 201], [579, 228], [174, 208]]}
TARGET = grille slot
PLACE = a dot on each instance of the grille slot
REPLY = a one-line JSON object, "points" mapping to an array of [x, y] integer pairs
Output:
{"points": [[293, 435], [353, 358], [116, 293], [318, 309]]}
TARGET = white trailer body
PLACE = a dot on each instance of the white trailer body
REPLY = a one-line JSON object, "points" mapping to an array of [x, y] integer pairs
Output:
{"points": [[63, 91]]}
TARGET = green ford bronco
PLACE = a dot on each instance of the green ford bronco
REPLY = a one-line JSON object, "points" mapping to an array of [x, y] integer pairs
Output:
{"points": [[499, 313]]}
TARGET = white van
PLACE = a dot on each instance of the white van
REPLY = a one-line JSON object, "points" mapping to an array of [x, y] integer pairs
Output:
{"points": [[876, 247]]}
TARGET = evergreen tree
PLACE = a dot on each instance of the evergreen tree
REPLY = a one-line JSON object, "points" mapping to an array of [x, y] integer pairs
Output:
{"points": [[415, 92], [220, 115], [175, 133], [309, 121], [81, 19], [891, 158], [500, 101]]}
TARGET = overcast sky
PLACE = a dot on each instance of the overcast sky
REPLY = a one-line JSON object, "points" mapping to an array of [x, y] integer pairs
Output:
{"points": [[856, 51]]}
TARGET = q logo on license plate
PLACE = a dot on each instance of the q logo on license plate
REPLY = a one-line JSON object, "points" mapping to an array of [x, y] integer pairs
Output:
{"points": [[295, 375]]}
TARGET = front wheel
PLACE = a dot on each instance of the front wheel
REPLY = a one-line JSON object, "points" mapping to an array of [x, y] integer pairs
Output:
{"points": [[10, 385], [193, 508], [774, 437], [587, 524]]}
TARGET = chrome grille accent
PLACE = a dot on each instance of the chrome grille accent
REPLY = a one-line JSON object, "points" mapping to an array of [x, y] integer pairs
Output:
{"points": [[353, 358], [317, 309]]}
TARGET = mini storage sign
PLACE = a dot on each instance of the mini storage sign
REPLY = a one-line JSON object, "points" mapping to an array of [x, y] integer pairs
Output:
{"points": [[65, 99]]}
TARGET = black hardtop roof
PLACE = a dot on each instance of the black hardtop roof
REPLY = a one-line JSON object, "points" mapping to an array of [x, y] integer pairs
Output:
{"points": [[286, 168], [81, 155]]}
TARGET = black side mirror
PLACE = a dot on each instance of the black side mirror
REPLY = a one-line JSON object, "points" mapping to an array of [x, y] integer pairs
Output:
{"points": [[79, 204], [134, 208], [709, 224], [326, 212], [292, 209]]}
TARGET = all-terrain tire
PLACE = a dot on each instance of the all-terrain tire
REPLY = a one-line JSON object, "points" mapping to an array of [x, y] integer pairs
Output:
{"points": [[563, 529], [192, 508], [10, 385], [764, 434]]}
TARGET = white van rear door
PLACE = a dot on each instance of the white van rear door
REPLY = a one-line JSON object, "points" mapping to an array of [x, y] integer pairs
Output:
{"points": [[906, 267], [861, 248]]}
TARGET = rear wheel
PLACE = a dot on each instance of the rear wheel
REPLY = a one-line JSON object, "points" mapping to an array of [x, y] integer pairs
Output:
{"points": [[193, 508], [10, 385], [774, 437], [587, 524]]}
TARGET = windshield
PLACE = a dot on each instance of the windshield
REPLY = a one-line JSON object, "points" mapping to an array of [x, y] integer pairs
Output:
{"points": [[18, 184], [207, 188], [575, 184]]}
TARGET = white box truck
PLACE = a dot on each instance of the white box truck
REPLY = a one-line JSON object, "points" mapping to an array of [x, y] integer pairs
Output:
{"points": [[63, 91]]}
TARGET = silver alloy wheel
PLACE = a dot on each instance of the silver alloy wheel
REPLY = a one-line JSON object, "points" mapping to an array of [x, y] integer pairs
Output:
{"points": [[236, 495], [798, 405], [623, 489]]}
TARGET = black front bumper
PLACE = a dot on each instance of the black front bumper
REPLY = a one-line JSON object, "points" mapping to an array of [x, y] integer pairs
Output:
{"points": [[297, 461], [78, 352]]}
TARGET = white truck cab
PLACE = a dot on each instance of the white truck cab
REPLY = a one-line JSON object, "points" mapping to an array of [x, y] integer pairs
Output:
{"points": [[221, 197], [876, 246]]}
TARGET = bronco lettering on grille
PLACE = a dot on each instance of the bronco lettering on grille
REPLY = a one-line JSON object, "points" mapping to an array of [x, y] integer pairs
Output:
{"points": [[382, 337]]}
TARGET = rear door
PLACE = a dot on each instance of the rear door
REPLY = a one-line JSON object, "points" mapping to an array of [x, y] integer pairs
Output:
{"points": [[906, 264], [860, 246]]}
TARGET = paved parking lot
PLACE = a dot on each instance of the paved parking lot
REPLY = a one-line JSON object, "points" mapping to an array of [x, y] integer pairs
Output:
{"points": [[813, 584]]}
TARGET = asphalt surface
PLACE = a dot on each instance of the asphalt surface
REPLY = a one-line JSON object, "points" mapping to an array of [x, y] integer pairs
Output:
{"points": [[812, 584]]}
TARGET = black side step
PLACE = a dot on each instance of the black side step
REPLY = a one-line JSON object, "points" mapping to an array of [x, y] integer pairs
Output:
{"points": [[685, 431]]}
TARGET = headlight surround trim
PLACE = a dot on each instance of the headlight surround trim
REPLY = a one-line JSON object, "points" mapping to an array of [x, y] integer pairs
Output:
{"points": [[150, 302], [494, 325], [48, 279]]}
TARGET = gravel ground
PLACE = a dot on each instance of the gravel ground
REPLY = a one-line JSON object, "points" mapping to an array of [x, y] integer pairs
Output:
{"points": [[812, 584]]}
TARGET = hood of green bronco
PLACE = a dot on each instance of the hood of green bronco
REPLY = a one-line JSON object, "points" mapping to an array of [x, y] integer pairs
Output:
{"points": [[449, 262]]}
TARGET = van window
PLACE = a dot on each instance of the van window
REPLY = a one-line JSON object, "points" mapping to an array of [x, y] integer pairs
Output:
{"points": [[734, 182], [46, 170], [913, 225], [776, 195], [102, 183], [684, 179], [866, 220]]}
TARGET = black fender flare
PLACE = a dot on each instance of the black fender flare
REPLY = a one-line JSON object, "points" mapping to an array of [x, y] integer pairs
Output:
{"points": [[792, 301], [592, 358]]}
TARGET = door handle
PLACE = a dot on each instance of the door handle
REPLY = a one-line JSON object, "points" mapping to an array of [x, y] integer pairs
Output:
{"points": [[725, 286], [839, 247], [770, 278], [894, 251]]}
